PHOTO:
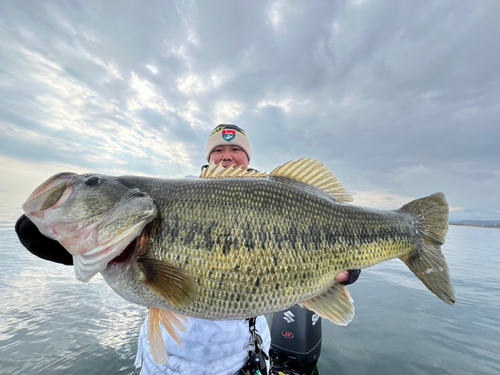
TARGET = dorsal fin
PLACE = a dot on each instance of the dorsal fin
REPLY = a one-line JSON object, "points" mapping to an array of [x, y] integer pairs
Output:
{"points": [[218, 171], [312, 172]]}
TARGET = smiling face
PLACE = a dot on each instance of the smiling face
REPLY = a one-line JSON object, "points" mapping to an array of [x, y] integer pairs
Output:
{"points": [[229, 155]]}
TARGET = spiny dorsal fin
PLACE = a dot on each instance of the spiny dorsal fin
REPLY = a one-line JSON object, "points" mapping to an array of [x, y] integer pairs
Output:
{"points": [[218, 171], [312, 172]]}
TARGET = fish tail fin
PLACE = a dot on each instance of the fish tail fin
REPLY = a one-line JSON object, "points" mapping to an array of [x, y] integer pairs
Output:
{"points": [[427, 262], [172, 322]]}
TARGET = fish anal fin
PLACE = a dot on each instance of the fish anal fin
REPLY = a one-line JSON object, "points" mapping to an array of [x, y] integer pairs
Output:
{"points": [[174, 284], [335, 304], [218, 171], [314, 173]]}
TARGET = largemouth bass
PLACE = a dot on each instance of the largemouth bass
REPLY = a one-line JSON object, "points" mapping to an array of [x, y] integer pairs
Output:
{"points": [[235, 244]]}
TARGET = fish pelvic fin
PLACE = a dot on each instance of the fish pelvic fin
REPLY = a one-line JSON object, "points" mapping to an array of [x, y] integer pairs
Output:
{"points": [[427, 262], [312, 172], [335, 304], [174, 284], [172, 322]]}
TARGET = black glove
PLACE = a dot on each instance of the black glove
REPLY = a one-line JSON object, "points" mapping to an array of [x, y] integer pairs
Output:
{"points": [[353, 276], [39, 245]]}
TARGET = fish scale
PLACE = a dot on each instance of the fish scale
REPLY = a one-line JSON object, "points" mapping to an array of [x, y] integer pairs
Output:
{"points": [[305, 221], [235, 243]]}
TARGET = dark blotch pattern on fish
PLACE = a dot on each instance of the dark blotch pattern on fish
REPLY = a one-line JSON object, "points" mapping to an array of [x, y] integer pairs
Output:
{"points": [[272, 236], [247, 234]]}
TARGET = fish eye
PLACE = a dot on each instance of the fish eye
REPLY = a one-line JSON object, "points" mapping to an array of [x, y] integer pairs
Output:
{"points": [[92, 181]]}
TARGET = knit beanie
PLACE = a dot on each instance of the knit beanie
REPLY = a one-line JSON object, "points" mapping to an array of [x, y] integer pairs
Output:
{"points": [[227, 134]]}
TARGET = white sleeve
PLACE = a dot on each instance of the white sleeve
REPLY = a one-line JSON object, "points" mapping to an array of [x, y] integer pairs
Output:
{"points": [[209, 347]]}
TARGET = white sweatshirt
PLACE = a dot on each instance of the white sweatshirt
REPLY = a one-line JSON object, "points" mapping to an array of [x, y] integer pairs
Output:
{"points": [[209, 348]]}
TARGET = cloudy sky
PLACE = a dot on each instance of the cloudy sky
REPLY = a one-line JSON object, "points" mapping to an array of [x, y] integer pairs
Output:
{"points": [[400, 99]]}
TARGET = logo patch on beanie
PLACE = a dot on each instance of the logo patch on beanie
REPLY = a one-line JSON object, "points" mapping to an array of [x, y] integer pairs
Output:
{"points": [[229, 134]]}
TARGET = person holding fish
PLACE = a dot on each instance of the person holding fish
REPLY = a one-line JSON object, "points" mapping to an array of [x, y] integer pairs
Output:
{"points": [[231, 245], [209, 346]]}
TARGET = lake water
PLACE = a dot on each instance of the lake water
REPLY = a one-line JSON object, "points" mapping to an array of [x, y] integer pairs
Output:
{"points": [[50, 323]]}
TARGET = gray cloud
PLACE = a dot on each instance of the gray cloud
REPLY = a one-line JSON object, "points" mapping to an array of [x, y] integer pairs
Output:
{"points": [[402, 97]]}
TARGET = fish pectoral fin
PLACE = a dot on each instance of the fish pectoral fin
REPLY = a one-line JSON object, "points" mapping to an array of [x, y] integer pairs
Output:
{"points": [[174, 284], [335, 304]]}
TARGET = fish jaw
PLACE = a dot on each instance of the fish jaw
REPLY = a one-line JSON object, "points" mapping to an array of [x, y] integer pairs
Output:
{"points": [[52, 192], [122, 225], [106, 241], [90, 262], [47, 198]]}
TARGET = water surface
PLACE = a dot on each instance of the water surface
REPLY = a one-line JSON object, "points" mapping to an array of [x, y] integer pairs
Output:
{"points": [[52, 323]]}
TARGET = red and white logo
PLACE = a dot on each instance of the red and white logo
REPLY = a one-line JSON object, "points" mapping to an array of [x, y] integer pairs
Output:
{"points": [[229, 134]]}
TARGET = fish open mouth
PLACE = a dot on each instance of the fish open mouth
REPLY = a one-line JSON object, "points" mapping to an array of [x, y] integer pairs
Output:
{"points": [[126, 254], [138, 245], [51, 194]]}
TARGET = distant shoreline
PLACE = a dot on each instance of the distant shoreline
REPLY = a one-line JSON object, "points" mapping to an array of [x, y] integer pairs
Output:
{"points": [[496, 226]]}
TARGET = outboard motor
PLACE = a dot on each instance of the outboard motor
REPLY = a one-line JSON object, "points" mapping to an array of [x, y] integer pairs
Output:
{"points": [[295, 341]]}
